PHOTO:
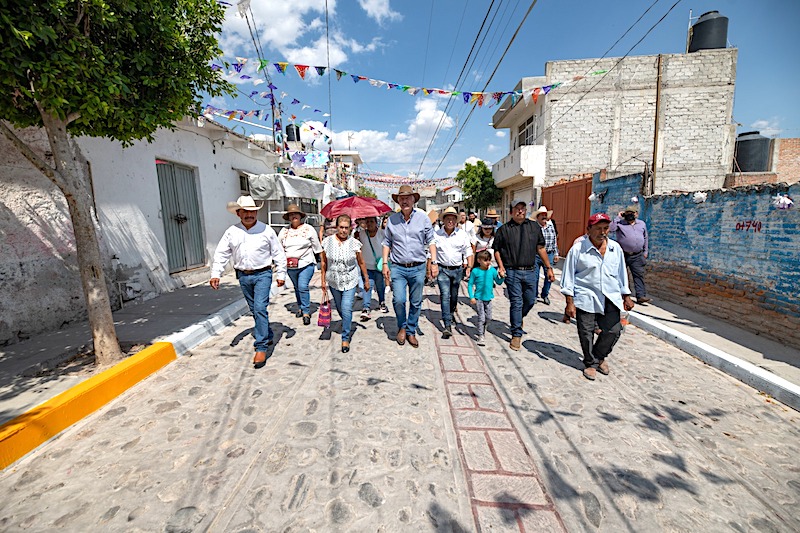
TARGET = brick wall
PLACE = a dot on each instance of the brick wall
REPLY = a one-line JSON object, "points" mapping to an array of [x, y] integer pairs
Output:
{"points": [[788, 165], [704, 257], [610, 123]]}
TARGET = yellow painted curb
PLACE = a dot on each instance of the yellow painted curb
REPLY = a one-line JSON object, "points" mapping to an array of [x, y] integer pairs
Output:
{"points": [[30, 429]]}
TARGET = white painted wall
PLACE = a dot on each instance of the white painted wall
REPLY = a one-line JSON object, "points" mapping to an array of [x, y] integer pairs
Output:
{"points": [[39, 256]]}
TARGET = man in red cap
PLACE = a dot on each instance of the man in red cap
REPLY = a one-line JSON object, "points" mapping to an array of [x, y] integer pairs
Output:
{"points": [[595, 282]]}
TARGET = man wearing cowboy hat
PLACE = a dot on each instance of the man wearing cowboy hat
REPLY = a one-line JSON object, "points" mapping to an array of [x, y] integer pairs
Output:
{"points": [[454, 258], [495, 216], [516, 246], [550, 233], [257, 255], [407, 235], [631, 234], [595, 284]]}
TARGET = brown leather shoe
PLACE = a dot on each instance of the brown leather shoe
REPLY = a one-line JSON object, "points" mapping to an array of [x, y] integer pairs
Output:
{"points": [[516, 343], [603, 367], [401, 337], [643, 300], [412, 340], [260, 358], [590, 373]]}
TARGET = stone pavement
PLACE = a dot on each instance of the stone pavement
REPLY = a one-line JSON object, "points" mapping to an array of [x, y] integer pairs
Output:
{"points": [[448, 437]]}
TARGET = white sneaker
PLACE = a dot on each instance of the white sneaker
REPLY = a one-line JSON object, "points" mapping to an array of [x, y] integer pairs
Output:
{"points": [[384, 308], [481, 340], [365, 315]]}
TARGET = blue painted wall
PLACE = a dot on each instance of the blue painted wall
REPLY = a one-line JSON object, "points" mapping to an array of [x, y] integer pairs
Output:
{"points": [[712, 239]]}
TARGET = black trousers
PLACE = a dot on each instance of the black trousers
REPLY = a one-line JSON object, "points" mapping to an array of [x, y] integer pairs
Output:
{"points": [[610, 329], [636, 263]]}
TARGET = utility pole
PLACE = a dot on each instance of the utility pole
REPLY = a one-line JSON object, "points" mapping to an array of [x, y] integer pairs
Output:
{"points": [[650, 182]]}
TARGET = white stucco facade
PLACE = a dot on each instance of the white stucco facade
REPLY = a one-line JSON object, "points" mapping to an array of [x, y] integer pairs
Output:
{"points": [[38, 254]]}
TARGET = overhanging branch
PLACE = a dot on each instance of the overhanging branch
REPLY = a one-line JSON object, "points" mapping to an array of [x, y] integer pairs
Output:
{"points": [[29, 154]]}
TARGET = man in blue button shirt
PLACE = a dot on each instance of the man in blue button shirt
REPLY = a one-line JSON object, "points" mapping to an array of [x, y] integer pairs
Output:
{"points": [[595, 282], [405, 239]]}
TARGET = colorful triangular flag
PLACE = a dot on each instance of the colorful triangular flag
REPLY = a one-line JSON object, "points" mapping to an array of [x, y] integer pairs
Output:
{"points": [[281, 67], [301, 70], [320, 70]]}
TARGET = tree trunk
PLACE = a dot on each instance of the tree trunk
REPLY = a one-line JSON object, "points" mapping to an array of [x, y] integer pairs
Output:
{"points": [[72, 179]]}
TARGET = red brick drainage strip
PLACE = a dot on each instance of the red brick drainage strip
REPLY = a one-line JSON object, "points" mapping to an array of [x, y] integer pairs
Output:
{"points": [[504, 487]]}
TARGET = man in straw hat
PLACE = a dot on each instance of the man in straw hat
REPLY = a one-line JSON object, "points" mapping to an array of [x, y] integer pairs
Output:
{"points": [[631, 234], [595, 284], [454, 257], [257, 255], [407, 236], [495, 216], [516, 246], [550, 233]]}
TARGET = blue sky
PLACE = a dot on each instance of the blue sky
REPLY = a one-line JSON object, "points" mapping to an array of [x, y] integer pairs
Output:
{"points": [[425, 43]]}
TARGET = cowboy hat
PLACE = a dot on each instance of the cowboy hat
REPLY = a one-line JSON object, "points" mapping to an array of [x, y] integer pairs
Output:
{"points": [[293, 208], [405, 190], [433, 215], [244, 202], [541, 210], [449, 211], [492, 213], [488, 222]]}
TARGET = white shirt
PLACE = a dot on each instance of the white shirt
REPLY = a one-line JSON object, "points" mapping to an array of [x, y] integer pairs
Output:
{"points": [[590, 278], [301, 242], [250, 249], [467, 227], [453, 249], [370, 258], [342, 273]]}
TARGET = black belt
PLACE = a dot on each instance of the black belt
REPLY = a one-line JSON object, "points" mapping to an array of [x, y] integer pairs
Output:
{"points": [[628, 254], [409, 265], [522, 268], [256, 271], [448, 267]]}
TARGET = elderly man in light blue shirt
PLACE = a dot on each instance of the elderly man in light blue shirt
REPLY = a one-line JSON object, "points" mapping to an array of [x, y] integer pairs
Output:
{"points": [[595, 283], [405, 239]]}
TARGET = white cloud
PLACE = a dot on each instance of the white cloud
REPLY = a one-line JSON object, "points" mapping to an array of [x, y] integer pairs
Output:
{"points": [[492, 147], [768, 128], [474, 161], [500, 133], [291, 31], [380, 10]]}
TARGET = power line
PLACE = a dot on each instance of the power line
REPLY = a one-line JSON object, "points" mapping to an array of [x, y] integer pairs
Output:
{"points": [[499, 61]]}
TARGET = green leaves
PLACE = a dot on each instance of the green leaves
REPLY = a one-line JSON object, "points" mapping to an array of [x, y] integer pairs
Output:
{"points": [[478, 186], [126, 67]]}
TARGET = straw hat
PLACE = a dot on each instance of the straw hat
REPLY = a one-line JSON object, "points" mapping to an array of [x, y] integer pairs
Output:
{"points": [[293, 208], [405, 190], [492, 213], [244, 202], [541, 210], [449, 211]]}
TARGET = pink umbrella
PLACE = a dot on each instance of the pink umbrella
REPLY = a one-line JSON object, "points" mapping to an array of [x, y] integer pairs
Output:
{"points": [[355, 206]]}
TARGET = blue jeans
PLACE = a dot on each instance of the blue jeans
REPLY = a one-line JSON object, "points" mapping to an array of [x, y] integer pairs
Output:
{"points": [[449, 283], [377, 283], [540, 266], [344, 304], [301, 278], [411, 279], [255, 288], [521, 286]]}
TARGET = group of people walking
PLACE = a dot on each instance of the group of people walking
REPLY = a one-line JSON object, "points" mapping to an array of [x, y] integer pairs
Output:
{"points": [[408, 249]]}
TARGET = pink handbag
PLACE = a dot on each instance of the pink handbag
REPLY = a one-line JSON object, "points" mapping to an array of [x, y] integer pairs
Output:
{"points": [[324, 315]]}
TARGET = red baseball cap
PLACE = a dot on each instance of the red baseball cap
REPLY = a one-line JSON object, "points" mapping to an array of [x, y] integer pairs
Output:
{"points": [[598, 217]]}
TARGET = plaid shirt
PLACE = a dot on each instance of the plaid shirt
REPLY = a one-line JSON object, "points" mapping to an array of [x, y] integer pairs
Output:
{"points": [[550, 243]]}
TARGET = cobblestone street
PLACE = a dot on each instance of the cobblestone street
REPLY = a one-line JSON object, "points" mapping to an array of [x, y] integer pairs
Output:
{"points": [[447, 437]]}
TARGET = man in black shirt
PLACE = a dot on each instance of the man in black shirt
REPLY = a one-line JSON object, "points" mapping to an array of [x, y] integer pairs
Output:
{"points": [[516, 246]]}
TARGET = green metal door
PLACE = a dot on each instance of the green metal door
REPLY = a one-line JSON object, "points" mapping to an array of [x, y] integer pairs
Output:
{"points": [[180, 212]]}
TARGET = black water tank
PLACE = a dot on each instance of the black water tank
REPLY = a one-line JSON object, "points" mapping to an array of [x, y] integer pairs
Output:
{"points": [[709, 32], [752, 152], [292, 132]]}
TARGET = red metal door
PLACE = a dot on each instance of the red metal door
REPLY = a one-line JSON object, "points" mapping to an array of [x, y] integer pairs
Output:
{"points": [[571, 208]]}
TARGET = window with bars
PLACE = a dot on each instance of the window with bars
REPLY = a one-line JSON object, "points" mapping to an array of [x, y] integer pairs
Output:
{"points": [[528, 131]]}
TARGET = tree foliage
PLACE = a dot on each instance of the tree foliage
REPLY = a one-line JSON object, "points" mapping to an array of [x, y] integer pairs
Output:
{"points": [[108, 68], [478, 186], [366, 192], [104, 68]]}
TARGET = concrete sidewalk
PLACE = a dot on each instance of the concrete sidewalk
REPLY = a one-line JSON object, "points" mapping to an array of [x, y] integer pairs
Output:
{"points": [[35, 370]]}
